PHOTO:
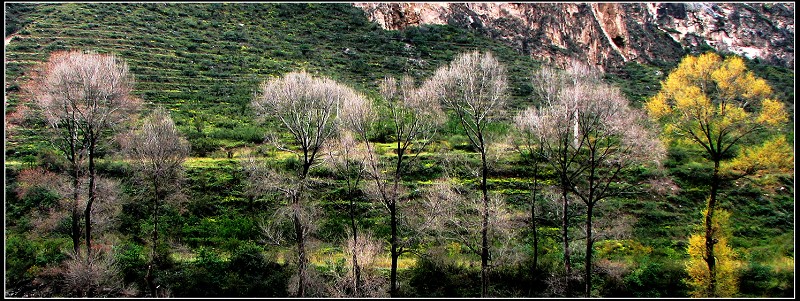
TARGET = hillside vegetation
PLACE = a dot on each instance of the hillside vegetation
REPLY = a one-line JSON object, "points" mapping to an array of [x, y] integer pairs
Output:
{"points": [[204, 63]]}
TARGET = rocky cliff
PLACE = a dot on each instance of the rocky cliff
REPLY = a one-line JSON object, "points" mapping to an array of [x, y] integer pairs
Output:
{"points": [[610, 34]]}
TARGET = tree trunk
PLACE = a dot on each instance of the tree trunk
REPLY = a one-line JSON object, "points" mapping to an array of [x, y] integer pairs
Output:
{"points": [[301, 255], [567, 268], [710, 240], [76, 229], [155, 219], [564, 221], [90, 201], [356, 268], [589, 243], [395, 253], [590, 202], [154, 259], [534, 226], [302, 260], [148, 278], [71, 151], [484, 225], [534, 222]]}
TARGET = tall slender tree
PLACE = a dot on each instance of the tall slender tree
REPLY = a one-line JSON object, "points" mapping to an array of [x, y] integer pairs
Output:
{"points": [[413, 121], [157, 151], [614, 137], [347, 159], [528, 144], [307, 108], [352, 160], [473, 86], [555, 127], [84, 97]]}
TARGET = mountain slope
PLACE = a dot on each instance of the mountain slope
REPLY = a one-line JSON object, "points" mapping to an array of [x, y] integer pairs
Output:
{"points": [[205, 60]]}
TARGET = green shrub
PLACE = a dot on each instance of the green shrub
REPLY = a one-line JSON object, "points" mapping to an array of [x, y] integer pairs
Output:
{"points": [[518, 280], [432, 279], [762, 280], [201, 278], [248, 273], [254, 275], [26, 257], [653, 278], [201, 147], [20, 257], [132, 262]]}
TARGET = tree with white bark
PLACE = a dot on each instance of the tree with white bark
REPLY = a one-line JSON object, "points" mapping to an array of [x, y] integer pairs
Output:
{"points": [[413, 120], [606, 137], [473, 86], [84, 97], [307, 107], [157, 151]]}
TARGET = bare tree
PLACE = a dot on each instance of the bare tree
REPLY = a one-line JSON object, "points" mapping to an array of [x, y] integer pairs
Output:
{"points": [[607, 136], [158, 151], [451, 213], [307, 107], [365, 250], [612, 138], [530, 148], [414, 121], [64, 132], [473, 86], [347, 159], [555, 128], [83, 95]]}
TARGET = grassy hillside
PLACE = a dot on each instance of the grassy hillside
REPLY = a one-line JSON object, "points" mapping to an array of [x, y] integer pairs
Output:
{"points": [[204, 61]]}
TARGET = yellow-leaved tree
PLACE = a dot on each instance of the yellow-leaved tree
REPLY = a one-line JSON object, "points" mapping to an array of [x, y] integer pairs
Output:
{"points": [[719, 105], [727, 261]]}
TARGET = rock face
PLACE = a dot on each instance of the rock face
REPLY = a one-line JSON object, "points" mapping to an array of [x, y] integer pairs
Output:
{"points": [[610, 34]]}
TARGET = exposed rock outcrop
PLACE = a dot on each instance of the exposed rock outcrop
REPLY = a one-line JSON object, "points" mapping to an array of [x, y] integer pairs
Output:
{"points": [[611, 33]]}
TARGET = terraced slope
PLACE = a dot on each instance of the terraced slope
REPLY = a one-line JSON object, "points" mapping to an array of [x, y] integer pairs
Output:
{"points": [[204, 61]]}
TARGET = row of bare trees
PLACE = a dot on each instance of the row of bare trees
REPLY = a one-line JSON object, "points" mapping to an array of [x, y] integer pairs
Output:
{"points": [[584, 129]]}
